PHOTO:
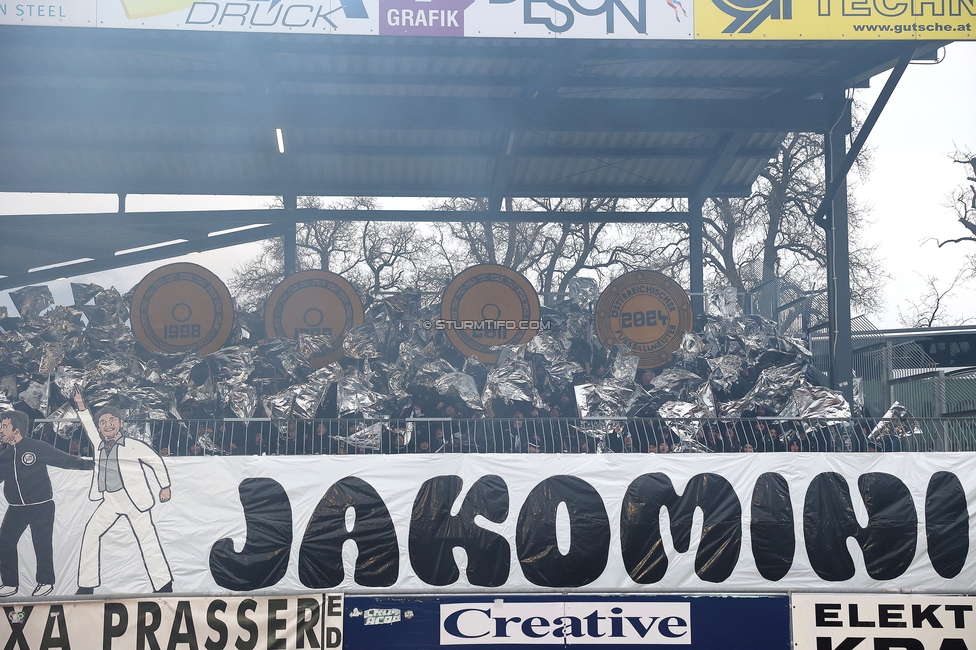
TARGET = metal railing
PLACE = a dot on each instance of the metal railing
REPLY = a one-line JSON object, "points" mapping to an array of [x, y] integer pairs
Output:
{"points": [[526, 435]]}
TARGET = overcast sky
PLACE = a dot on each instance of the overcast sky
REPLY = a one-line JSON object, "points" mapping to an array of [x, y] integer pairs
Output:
{"points": [[929, 116]]}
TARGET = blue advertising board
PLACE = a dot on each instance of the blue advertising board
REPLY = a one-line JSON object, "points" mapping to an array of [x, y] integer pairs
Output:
{"points": [[580, 620]]}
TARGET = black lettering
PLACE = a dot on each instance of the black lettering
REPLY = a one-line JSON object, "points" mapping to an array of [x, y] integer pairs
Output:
{"points": [[905, 644], [827, 615], [333, 606], [953, 644], [308, 618], [960, 612], [112, 628], [247, 625], [854, 620], [17, 629], [320, 556], [772, 526], [824, 643], [535, 534], [49, 640], [178, 636], [276, 624], [888, 541], [890, 616], [217, 626], [264, 559], [946, 524], [434, 532], [148, 619], [920, 616], [333, 637], [640, 530]]}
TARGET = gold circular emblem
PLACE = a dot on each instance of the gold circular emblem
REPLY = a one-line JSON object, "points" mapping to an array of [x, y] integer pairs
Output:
{"points": [[646, 311], [182, 308], [316, 303], [488, 305]]}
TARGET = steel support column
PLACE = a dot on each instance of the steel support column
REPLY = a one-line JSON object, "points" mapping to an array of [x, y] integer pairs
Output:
{"points": [[696, 262], [841, 370], [289, 242]]}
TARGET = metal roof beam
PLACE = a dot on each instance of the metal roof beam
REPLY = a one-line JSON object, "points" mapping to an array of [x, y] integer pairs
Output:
{"points": [[719, 167], [139, 257], [276, 184], [317, 148], [225, 219], [101, 107], [30, 73]]}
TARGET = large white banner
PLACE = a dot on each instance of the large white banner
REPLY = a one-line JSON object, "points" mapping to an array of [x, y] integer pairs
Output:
{"points": [[614, 523]]}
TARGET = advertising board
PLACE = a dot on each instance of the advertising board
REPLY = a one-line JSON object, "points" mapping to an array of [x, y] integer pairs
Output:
{"points": [[623, 621], [612, 19], [883, 622], [285, 623]]}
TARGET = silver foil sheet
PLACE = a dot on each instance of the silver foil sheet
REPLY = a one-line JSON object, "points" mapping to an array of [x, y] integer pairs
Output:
{"points": [[898, 422]]}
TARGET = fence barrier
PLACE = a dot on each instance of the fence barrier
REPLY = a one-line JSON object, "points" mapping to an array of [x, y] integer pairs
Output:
{"points": [[262, 436]]}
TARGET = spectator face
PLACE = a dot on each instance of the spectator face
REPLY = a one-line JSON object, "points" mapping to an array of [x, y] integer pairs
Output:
{"points": [[794, 447], [628, 443], [439, 434], [320, 429], [449, 410], [74, 448], [747, 448], [164, 451], [196, 450], [646, 377], [9, 434], [663, 448], [424, 446]]}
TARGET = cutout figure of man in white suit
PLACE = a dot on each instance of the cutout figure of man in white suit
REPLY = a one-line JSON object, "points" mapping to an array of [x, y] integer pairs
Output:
{"points": [[121, 485]]}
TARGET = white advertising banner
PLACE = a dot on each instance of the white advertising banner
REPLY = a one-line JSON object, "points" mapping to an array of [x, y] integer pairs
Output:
{"points": [[883, 622], [313, 621], [630, 19], [611, 523]]}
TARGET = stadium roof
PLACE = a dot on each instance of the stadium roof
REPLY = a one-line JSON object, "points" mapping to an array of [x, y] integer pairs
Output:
{"points": [[177, 112]]}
